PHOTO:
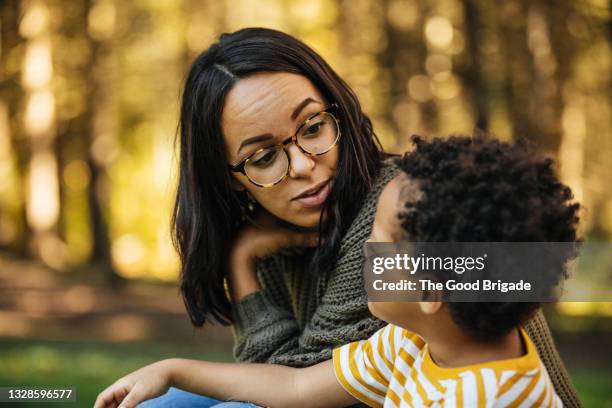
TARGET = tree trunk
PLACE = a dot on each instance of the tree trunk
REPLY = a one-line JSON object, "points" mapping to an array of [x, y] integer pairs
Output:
{"points": [[473, 76], [11, 93], [98, 99], [519, 67], [79, 134]]}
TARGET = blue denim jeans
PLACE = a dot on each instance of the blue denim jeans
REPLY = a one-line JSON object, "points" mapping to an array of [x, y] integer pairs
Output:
{"points": [[176, 398]]}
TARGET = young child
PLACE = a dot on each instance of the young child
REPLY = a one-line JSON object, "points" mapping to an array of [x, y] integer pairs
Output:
{"points": [[431, 353]]}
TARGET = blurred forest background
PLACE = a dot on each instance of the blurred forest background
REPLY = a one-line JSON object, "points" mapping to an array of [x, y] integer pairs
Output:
{"points": [[89, 93]]}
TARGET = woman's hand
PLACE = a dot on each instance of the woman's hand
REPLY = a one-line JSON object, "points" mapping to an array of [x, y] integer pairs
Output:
{"points": [[143, 384], [259, 241]]}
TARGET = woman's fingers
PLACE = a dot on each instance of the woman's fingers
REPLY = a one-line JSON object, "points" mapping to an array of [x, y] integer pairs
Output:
{"points": [[310, 239], [266, 221], [298, 239]]}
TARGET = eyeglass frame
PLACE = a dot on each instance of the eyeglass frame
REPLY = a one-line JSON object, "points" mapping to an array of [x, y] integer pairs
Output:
{"points": [[240, 167]]}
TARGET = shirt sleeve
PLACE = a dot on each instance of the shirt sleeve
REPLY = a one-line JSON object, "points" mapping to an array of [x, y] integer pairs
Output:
{"points": [[539, 332], [365, 368], [264, 323]]}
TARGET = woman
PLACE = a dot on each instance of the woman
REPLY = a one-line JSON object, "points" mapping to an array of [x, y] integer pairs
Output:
{"points": [[280, 171]]}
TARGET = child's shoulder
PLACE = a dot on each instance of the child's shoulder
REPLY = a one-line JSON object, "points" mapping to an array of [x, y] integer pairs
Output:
{"points": [[507, 382], [401, 338], [524, 380]]}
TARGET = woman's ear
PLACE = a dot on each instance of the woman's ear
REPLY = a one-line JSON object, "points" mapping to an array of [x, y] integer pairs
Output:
{"points": [[236, 185]]}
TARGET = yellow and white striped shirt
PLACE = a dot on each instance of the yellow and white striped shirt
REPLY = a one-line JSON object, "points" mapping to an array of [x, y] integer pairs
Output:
{"points": [[393, 368]]}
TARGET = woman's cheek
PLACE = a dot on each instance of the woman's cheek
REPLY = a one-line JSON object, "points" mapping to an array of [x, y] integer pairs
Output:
{"points": [[278, 207]]}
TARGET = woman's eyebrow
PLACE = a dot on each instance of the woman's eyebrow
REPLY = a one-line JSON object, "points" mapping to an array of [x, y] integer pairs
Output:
{"points": [[267, 136], [253, 140], [298, 109]]}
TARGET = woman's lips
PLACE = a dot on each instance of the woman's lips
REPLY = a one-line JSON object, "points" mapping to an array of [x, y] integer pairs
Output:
{"points": [[317, 198]]}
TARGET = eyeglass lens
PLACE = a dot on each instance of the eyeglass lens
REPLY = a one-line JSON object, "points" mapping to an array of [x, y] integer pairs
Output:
{"points": [[316, 137]]}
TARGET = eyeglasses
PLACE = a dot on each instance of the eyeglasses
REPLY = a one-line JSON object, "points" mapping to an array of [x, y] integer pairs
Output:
{"points": [[270, 165]]}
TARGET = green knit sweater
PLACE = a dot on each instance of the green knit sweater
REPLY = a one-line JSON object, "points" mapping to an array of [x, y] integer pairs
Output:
{"points": [[297, 319]]}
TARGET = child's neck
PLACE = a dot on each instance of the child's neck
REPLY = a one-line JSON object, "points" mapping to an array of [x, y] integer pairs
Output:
{"points": [[460, 350]]}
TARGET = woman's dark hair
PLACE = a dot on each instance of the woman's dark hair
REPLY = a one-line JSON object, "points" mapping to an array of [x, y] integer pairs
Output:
{"points": [[478, 189], [207, 212]]}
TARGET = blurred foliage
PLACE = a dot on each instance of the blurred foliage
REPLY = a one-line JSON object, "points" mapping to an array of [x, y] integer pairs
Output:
{"points": [[90, 93]]}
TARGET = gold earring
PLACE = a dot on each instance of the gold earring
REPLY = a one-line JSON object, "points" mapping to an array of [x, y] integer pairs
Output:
{"points": [[250, 202], [248, 208]]}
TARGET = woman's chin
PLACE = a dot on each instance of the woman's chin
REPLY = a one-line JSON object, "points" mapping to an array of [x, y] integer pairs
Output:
{"points": [[310, 224], [298, 216], [307, 219]]}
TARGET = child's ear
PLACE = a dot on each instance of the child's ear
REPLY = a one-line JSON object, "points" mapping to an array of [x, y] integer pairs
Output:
{"points": [[430, 308]]}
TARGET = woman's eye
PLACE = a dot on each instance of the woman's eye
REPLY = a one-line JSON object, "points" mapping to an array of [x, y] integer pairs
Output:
{"points": [[313, 129], [264, 158]]}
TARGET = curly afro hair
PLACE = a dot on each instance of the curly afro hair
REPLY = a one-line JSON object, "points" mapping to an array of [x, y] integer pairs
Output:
{"points": [[478, 189]]}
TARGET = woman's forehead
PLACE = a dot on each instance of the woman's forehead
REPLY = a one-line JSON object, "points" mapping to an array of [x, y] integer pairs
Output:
{"points": [[265, 103], [266, 95]]}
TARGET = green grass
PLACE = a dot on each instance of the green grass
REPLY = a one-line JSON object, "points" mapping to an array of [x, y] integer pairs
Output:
{"points": [[90, 367]]}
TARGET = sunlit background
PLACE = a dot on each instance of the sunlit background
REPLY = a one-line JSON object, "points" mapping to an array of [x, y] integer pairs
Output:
{"points": [[88, 114]]}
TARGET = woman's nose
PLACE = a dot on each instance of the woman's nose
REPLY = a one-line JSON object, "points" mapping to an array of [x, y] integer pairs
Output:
{"points": [[301, 163]]}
